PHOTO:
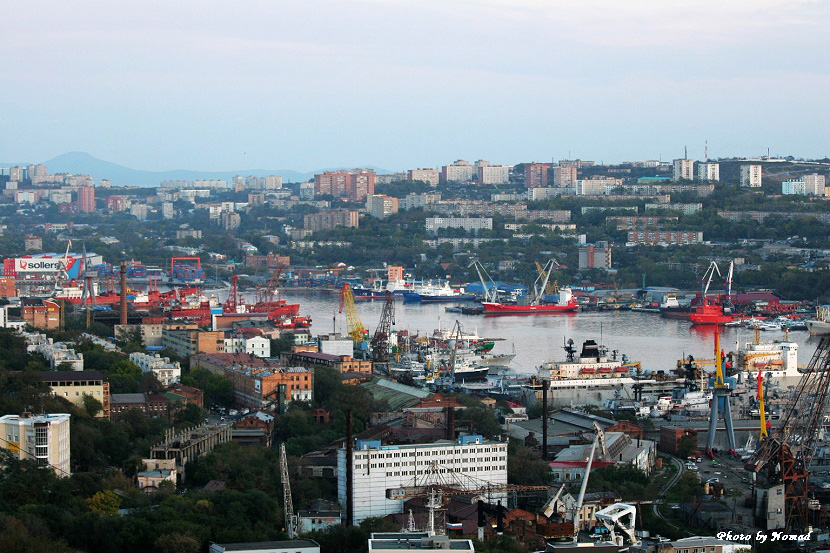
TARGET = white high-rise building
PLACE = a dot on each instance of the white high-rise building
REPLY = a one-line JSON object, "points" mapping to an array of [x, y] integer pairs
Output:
{"points": [[815, 184], [751, 175], [493, 174], [708, 171], [683, 169], [377, 468], [42, 438]]}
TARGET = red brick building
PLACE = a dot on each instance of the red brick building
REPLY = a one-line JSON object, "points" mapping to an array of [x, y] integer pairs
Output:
{"points": [[354, 185], [536, 175]]}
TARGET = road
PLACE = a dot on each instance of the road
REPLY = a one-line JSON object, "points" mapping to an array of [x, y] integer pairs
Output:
{"points": [[655, 506]]}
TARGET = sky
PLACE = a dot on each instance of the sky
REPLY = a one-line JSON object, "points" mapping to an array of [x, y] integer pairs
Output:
{"points": [[399, 84]]}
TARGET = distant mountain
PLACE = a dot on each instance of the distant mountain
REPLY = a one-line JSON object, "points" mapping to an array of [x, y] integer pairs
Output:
{"points": [[86, 164]]}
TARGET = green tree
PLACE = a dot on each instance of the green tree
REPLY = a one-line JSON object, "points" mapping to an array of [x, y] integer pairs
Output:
{"points": [[174, 542], [105, 502], [91, 405]]}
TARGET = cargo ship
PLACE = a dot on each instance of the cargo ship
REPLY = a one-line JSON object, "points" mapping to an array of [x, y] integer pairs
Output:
{"points": [[565, 304]]}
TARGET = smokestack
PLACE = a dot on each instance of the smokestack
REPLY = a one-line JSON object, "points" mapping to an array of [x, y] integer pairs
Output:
{"points": [[123, 293], [349, 470], [450, 423], [545, 420]]}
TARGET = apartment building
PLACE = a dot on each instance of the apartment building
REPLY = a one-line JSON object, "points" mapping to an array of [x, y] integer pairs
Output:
{"points": [[429, 176], [326, 220], [807, 185], [475, 224], [493, 174], [354, 185], [460, 171], [664, 238], [377, 468], [257, 382], [167, 372], [708, 171], [683, 169], [41, 438], [74, 385], [595, 256], [190, 342], [751, 175], [380, 206], [536, 175], [564, 177]]}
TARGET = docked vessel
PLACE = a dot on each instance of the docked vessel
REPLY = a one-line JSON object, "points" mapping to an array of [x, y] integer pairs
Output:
{"points": [[821, 324], [436, 293], [565, 304], [711, 314], [671, 308], [592, 378]]}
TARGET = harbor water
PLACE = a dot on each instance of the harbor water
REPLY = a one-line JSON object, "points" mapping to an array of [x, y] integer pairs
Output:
{"points": [[655, 342]]}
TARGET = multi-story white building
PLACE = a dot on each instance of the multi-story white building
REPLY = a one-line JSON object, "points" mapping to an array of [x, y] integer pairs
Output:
{"points": [[380, 206], [475, 224], [708, 171], [493, 174], [683, 169], [430, 176], [377, 468], [598, 186], [794, 187], [414, 201], [815, 184], [258, 346], [167, 372], [460, 171], [167, 210], [42, 438], [751, 175]]}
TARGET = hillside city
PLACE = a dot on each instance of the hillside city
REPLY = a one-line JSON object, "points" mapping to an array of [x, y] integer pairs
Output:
{"points": [[163, 389]]}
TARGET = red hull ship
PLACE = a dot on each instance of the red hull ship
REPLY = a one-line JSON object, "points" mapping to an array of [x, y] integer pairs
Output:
{"points": [[566, 304], [710, 314]]}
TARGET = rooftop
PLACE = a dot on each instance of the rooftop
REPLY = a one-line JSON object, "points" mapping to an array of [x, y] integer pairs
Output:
{"points": [[52, 376], [265, 545]]}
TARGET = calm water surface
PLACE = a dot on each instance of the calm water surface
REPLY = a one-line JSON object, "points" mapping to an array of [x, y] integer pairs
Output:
{"points": [[654, 341]]}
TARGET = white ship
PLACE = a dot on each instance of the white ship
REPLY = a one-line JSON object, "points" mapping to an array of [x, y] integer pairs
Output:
{"points": [[593, 378], [821, 324], [778, 360]]}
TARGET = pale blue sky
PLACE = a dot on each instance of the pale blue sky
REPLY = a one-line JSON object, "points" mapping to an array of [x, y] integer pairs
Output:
{"points": [[398, 84]]}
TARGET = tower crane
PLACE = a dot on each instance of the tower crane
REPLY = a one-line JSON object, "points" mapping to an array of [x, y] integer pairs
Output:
{"points": [[357, 331], [706, 281], [288, 505]]}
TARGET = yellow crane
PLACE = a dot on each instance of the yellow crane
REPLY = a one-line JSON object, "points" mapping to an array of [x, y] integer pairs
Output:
{"points": [[550, 288], [357, 331], [761, 408]]}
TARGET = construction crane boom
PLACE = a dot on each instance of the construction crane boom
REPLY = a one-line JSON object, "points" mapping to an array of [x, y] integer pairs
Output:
{"points": [[288, 505], [357, 331]]}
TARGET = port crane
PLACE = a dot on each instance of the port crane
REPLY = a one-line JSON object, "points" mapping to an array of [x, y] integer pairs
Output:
{"points": [[706, 281], [720, 397], [785, 456], [491, 291], [288, 505], [551, 288], [357, 331], [380, 341]]}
